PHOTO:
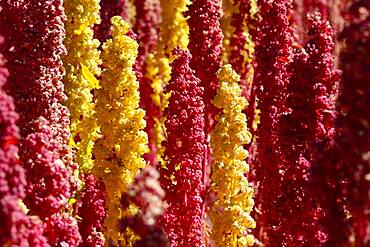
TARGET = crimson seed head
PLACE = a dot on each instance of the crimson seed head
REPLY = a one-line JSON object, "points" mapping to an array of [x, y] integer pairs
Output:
{"points": [[15, 226], [92, 211], [182, 180], [205, 46], [273, 53], [33, 47], [147, 28], [147, 193]]}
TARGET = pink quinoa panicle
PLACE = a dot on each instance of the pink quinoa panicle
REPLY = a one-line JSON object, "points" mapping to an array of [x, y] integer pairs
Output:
{"points": [[242, 60], [348, 167], [205, 45], [92, 211], [48, 187], [12, 175], [273, 38], [33, 47], [328, 9], [16, 228], [146, 193], [150, 235], [108, 9], [238, 43], [320, 47], [182, 179], [147, 27], [308, 126], [62, 230]]}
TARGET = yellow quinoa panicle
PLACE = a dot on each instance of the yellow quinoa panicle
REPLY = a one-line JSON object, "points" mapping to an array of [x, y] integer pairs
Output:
{"points": [[230, 215], [82, 66], [119, 151], [174, 28]]}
